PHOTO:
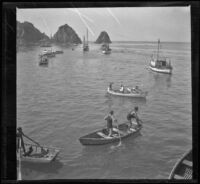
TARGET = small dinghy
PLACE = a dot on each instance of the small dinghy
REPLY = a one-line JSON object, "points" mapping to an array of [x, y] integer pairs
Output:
{"points": [[138, 94], [106, 49], [43, 60], [183, 167], [34, 153], [101, 137]]}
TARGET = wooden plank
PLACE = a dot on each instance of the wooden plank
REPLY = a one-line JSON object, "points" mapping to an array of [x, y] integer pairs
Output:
{"points": [[103, 135], [188, 163], [176, 176], [117, 130]]}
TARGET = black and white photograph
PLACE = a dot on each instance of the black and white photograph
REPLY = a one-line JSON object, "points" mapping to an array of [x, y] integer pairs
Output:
{"points": [[104, 93]]}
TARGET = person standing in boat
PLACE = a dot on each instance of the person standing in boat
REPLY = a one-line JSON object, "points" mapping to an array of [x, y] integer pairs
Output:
{"points": [[110, 120], [133, 119]]}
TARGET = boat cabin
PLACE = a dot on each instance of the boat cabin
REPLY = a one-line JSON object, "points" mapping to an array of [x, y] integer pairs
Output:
{"points": [[161, 63]]}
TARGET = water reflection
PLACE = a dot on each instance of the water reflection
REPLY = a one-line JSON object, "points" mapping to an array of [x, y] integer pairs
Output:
{"points": [[112, 101], [102, 157], [25, 48], [161, 80], [52, 167]]}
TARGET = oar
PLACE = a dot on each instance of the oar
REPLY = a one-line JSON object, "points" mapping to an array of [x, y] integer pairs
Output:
{"points": [[31, 140], [120, 142]]}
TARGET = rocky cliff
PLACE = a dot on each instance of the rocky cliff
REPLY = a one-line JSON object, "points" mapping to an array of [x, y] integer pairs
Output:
{"points": [[66, 34], [28, 34], [103, 38]]}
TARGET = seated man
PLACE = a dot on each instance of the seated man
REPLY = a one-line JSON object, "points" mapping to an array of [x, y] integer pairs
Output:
{"points": [[129, 90], [44, 152], [28, 153], [122, 88]]}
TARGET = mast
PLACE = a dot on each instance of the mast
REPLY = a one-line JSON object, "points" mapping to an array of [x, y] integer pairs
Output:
{"points": [[83, 41], [87, 37], [158, 48]]}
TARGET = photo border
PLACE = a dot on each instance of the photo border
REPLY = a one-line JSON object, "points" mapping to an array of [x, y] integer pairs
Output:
{"points": [[8, 67]]}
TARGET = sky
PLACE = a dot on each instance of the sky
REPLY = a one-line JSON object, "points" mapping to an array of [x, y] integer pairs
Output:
{"points": [[122, 24]]}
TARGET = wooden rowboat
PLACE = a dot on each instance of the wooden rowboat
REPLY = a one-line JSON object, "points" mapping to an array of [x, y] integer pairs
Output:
{"points": [[100, 137], [183, 168], [39, 154], [130, 94]]}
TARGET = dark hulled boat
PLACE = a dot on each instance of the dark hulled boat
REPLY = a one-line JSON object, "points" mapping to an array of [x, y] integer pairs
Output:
{"points": [[101, 137], [183, 168]]}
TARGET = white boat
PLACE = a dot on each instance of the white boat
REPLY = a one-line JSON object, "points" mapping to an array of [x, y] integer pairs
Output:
{"points": [[183, 169], [160, 65], [48, 53], [106, 49], [127, 94]]}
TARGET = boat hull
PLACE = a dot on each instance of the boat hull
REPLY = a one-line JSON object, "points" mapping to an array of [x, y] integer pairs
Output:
{"points": [[106, 52], [37, 157], [136, 95], [95, 139], [159, 70], [183, 167]]}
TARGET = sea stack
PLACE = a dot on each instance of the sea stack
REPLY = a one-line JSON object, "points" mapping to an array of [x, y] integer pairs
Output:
{"points": [[66, 35], [103, 38], [28, 34]]}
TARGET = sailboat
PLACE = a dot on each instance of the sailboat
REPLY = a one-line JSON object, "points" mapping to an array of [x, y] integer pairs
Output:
{"points": [[106, 49], [160, 65], [85, 43]]}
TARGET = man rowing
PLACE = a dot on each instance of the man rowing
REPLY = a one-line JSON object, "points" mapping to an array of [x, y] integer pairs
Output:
{"points": [[133, 119]]}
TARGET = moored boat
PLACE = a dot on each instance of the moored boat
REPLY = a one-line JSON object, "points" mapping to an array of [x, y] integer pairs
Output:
{"points": [[101, 137], [35, 153], [160, 65], [85, 43], [106, 49], [59, 52], [183, 168], [39, 154], [48, 53], [43, 60]]}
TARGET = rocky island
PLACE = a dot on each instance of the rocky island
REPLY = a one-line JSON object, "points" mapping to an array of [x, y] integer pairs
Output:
{"points": [[27, 34], [66, 35], [103, 38]]}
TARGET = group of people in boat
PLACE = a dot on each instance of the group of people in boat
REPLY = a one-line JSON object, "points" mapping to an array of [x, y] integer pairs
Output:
{"points": [[132, 117], [127, 90]]}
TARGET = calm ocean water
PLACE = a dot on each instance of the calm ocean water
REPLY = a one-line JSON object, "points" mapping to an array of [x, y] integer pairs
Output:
{"points": [[66, 100]]}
